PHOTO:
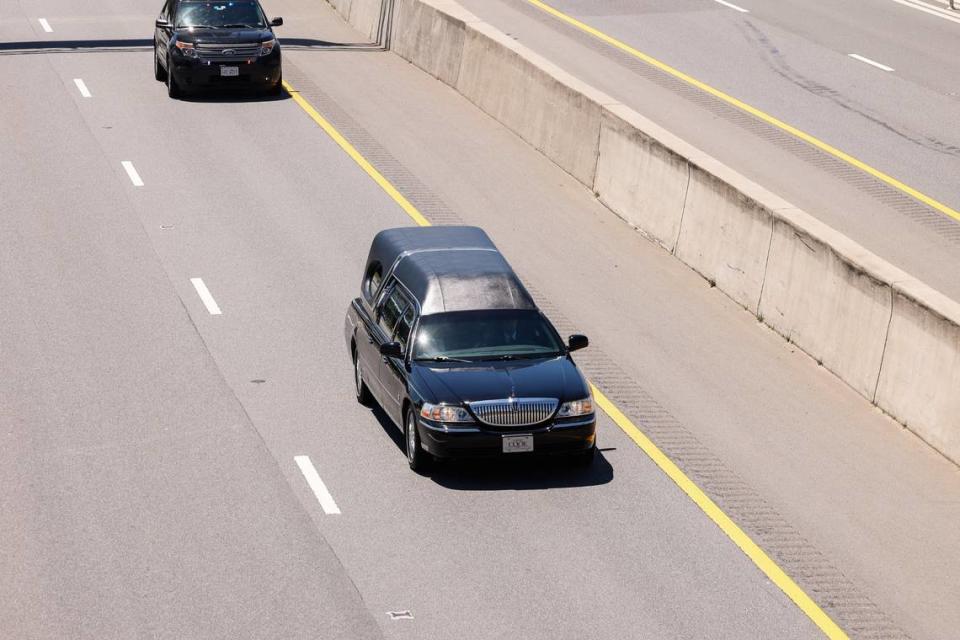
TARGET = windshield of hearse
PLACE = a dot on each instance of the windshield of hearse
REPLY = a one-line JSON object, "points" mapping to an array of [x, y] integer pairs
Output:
{"points": [[485, 335], [220, 14]]}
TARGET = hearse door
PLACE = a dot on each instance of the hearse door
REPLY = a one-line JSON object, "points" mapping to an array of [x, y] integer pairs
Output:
{"points": [[393, 372], [392, 305]]}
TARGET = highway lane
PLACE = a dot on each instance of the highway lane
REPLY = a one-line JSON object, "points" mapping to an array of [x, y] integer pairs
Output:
{"points": [[290, 335], [276, 220], [138, 500], [790, 60]]}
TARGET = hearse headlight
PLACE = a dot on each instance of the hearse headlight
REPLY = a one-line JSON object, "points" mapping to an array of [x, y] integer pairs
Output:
{"points": [[576, 408], [187, 49], [444, 413], [266, 47]]}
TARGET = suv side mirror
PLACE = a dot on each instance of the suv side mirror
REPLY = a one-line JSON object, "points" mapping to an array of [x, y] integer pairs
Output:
{"points": [[391, 350], [276, 22], [577, 341], [162, 23]]}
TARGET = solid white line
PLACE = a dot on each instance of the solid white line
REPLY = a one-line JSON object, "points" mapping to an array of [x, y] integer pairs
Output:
{"points": [[733, 6], [204, 294], [134, 176], [870, 62], [82, 87], [46, 25], [319, 489], [946, 14]]}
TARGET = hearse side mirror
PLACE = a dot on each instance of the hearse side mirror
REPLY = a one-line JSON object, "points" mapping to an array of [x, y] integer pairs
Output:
{"points": [[276, 22], [391, 350], [162, 23], [577, 341]]}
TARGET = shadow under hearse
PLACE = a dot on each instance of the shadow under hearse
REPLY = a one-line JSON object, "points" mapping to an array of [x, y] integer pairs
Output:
{"points": [[519, 473]]}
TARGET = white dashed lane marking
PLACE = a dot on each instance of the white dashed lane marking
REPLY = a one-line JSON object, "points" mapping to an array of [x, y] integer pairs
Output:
{"points": [[45, 25], [132, 173], [316, 484], [205, 296], [732, 6], [873, 63], [82, 87]]}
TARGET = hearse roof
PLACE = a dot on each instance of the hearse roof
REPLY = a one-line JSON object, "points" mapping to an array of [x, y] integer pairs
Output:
{"points": [[450, 269]]}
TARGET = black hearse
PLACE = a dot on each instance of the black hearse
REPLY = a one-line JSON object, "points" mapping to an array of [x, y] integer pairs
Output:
{"points": [[449, 342]]}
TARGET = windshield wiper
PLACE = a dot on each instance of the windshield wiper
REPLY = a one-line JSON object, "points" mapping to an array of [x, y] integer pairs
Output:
{"points": [[240, 26], [195, 26], [441, 359]]}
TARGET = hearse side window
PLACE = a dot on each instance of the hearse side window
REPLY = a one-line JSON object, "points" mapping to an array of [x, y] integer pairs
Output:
{"points": [[402, 333], [392, 309], [371, 283]]}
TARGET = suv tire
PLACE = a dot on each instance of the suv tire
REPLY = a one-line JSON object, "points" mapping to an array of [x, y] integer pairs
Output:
{"points": [[173, 89], [159, 73]]}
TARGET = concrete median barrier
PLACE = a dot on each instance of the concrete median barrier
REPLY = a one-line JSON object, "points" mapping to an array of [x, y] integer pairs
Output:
{"points": [[641, 179], [891, 338], [725, 234], [920, 379], [365, 16], [557, 114], [825, 302], [431, 37]]}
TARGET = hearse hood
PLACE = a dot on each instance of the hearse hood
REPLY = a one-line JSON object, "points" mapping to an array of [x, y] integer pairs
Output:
{"points": [[458, 382]]}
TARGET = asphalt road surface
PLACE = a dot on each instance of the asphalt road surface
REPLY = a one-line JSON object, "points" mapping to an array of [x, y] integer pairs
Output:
{"points": [[894, 107], [171, 348]]}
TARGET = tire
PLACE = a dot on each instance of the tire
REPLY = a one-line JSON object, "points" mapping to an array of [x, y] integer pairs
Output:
{"points": [[360, 386], [173, 89], [159, 73], [418, 459], [584, 459], [277, 89]]}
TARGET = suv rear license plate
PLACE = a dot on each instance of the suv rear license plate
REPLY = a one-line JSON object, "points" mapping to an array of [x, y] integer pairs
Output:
{"points": [[517, 444], [229, 71]]}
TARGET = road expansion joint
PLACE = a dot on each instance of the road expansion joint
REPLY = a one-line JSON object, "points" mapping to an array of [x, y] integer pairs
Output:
{"points": [[872, 187], [835, 593]]}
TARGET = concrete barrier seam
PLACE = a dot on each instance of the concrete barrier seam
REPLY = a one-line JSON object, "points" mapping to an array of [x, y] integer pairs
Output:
{"points": [[886, 339]]}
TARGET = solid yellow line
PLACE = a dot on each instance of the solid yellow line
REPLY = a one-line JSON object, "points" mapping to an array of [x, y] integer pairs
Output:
{"points": [[722, 520], [357, 157], [735, 533], [806, 137]]}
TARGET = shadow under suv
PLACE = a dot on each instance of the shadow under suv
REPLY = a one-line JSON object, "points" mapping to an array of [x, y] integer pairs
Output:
{"points": [[198, 44]]}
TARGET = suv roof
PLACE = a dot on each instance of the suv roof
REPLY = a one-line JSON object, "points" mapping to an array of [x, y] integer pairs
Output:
{"points": [[449, 269]]}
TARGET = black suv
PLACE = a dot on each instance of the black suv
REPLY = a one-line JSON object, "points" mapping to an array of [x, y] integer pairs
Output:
{"points": [[449, 342], [200, 44]]}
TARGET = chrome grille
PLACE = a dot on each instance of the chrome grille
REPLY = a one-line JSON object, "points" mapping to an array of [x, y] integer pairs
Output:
{"points": [[221, 50], [514, 412]]}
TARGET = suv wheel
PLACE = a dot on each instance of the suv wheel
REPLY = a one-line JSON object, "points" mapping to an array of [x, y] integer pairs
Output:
{"points": [[159, 73], [363, 392], [173, 89], [418, 459], [276, 89]]}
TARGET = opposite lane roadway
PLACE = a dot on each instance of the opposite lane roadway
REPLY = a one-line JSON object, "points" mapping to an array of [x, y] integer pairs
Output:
{"points": [[792, 61]]}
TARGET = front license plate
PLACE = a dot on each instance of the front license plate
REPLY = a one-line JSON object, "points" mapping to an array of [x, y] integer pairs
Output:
{"points": [[230, 71], [517, 444]]}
